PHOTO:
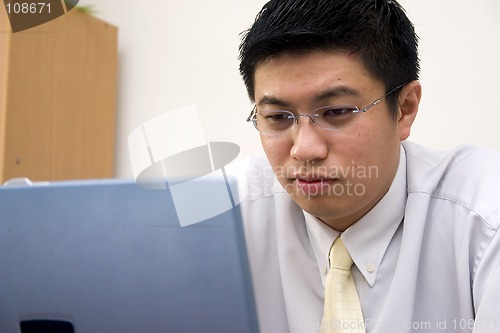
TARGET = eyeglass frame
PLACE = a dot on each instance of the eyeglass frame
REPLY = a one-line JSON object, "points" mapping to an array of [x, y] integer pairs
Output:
{"points": [[253, 114]]}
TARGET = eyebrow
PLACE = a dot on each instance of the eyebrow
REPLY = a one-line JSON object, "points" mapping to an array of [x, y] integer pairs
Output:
{"points": [[324, 95], [336, 92]]}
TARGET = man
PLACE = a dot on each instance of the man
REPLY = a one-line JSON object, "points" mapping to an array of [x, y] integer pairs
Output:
{"points": [[335, 89]]}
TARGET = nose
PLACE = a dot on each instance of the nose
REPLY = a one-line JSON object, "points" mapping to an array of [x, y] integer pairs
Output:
{"points": [[309, 141]]}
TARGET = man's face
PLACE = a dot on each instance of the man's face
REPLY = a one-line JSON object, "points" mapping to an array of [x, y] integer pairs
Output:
{"points": [[336, 175]]}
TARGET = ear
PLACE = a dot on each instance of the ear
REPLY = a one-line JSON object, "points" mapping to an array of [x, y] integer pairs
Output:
{"points": [[409, 100]]}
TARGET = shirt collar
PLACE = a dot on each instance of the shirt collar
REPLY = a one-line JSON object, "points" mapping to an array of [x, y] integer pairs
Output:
{"points": [[321, 237], [368, 238]]}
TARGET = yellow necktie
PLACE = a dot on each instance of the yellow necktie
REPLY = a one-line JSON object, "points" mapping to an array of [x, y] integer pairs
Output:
{"points": [[342, 310]]}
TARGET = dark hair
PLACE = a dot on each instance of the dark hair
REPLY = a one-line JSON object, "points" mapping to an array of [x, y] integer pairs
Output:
{"points": [[378, 30]]}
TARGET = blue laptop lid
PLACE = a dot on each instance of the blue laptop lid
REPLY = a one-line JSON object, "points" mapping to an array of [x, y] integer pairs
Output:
{"points": [[111, 256]]}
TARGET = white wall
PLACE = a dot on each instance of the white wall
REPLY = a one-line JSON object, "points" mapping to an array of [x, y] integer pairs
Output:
{"points": [[180, 52]]}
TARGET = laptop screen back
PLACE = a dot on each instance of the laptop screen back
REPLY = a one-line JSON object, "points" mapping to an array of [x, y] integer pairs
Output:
{"points": [[110, 256]]}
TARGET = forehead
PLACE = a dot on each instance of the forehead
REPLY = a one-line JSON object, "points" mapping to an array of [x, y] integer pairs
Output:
{"points": [[299, 76]]}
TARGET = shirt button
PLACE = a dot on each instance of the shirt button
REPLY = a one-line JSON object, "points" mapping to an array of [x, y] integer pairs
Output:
{"points": [[370, 267], [325, 270]]}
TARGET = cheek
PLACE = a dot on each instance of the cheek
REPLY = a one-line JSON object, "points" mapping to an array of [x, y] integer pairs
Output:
{"points": [[276, 149], [375, 147]]}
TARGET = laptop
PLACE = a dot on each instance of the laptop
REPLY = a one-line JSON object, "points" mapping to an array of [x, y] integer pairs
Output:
{"points": [[111, 256]]}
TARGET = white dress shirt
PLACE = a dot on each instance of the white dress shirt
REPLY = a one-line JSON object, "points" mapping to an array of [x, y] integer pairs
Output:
{"points": [[426, 257]]}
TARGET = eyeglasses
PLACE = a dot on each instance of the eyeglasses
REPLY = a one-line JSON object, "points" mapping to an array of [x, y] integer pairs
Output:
{"points": [[276, 122]]}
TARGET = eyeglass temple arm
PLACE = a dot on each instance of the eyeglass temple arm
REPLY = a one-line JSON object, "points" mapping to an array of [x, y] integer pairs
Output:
{"points": [[251, 114], [368, 107], [375, 102]]}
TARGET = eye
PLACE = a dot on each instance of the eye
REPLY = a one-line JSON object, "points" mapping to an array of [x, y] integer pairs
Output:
{"points": [[277, 116], [337, 112]]}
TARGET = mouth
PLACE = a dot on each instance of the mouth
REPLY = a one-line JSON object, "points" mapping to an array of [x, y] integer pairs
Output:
{"points": [[312, 186], [312, 178]]}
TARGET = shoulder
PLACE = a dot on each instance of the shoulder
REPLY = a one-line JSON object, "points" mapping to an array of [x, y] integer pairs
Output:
{"points": [[468, 176], [479, 155]]}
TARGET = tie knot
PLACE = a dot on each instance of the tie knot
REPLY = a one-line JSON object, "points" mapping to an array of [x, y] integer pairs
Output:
{"points": [[339, 257]]}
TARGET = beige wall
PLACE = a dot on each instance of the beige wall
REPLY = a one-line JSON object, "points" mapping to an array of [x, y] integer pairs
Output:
{"points": [[181, 52]]}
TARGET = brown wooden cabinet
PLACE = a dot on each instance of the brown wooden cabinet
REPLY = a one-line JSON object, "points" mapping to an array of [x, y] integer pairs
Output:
{"points": [[58, 99]]}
